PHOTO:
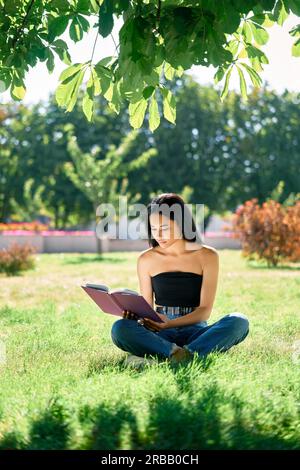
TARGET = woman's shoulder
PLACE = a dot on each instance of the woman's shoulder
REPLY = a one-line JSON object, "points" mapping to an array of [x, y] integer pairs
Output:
{"points": [[146, 256], [203, 250], [146, 259]]}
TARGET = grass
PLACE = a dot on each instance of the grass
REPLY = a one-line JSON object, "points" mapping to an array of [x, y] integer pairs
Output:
{"points": [[64, 386]]}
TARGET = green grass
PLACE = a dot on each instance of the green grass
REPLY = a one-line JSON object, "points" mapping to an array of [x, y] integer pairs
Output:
{"points": [[64, 386]]}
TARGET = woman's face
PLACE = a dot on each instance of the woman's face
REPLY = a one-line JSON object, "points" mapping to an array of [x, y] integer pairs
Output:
{"points": [[164, 230]]}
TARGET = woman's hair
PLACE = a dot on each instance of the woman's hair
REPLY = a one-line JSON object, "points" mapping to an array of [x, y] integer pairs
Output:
{"points": [[162, 204]]}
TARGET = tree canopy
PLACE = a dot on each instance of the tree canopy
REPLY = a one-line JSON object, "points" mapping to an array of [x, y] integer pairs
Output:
{"points": [[158, 41]]}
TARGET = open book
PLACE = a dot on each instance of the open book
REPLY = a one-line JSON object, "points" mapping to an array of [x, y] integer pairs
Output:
{"points": [[116, 300]]}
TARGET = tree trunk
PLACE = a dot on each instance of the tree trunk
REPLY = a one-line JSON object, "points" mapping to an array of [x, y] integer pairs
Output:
{"points": [[98, 240], [99, 245]]}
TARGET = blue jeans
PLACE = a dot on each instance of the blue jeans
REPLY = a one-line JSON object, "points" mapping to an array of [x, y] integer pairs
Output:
{"points": [[200, 337]]}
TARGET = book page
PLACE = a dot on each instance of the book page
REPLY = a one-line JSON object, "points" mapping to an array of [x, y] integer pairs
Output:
{"points": [[101, 287], [125, 290]]}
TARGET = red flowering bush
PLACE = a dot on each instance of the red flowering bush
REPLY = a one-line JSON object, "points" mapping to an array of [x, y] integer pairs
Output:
{"points": [[268, 232], [16, 258], [34, 226]]}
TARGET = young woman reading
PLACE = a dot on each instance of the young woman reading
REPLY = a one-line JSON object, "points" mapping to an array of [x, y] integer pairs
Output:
{"points": [[183, 275]]}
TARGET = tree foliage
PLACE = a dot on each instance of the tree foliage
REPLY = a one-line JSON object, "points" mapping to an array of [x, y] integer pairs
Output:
{"points": [[158, 40]]}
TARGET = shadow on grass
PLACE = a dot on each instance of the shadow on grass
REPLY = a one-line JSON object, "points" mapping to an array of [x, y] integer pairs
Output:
{"points": [[82, 259], [172, 424], [49, 431]]}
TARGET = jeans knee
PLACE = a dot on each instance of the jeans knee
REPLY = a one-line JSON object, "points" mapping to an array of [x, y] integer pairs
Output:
{"points": [[120, 327], [240, 323]]}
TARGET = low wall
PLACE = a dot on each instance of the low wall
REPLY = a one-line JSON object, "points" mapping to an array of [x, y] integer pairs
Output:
{"points": [[86, 242]]}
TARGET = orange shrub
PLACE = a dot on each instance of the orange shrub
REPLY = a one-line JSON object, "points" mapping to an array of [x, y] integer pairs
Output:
{"points": [[16, 258], [270, 232]]}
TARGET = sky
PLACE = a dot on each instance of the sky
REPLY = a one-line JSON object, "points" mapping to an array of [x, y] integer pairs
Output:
{"points": [[282, 72]]}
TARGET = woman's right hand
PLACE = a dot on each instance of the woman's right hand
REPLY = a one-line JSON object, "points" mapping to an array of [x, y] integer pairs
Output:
{"points": [[129, 315]]}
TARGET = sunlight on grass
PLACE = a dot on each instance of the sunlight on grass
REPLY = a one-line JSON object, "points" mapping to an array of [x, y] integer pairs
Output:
{"points": [[64, 385]]}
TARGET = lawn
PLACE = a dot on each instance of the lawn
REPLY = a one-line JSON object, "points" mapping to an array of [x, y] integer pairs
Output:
{"points": [[64, 387]]}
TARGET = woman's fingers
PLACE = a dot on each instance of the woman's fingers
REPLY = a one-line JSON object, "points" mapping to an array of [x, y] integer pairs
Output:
{"points": [[149, 325], [129, 315]]}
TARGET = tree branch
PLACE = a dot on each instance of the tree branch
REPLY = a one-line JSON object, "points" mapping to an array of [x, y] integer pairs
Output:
{"points": [[19, 31]]}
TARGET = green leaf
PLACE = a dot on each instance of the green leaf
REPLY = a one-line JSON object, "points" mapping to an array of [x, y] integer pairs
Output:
{"points": [[169, 71], [148, 91], [69, 71], [295, 31], [246, 31], [115, 101], [84, 22], [57, 26], [95, 5], [263, 19], [219, 75], [17, 92], [5, 80], [169, 105], [233, 47], [243, 85], [137, 113], [254, 52], [97, 86], [296, 49], [261, 36], [88, 99], [88, 106], [280, 13], [255, 78], [83, 6], [294, 5], [60, 5], [226, 85], [61, 49], [66, 93], [60, 44], [154, 116], [50, 61], [76, 31], [106, 19]]}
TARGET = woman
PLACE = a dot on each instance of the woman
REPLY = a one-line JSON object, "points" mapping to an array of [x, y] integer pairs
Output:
{"points": [[182, 273]]}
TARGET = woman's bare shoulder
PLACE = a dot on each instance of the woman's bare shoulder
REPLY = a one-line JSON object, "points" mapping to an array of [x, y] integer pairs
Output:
{"points": [[209, 256], [146, 259], [201, 249], [209, 250], [146, 256]]}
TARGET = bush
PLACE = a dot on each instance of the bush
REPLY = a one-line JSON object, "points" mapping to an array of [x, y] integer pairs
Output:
{"points": [[16, 258], [270, 232]]}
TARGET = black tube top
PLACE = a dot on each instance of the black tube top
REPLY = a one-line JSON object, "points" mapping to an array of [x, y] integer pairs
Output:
{"points": [[177, 288]]}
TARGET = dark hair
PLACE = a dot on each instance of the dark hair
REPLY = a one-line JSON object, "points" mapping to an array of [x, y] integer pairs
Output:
{"points": [[184, 220]]}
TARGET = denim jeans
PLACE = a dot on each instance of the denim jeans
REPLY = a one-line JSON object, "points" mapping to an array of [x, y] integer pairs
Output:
{"points": [[200, 337]]}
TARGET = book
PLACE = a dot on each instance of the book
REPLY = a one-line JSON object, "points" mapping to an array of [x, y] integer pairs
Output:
{"points": [[115, 301]]}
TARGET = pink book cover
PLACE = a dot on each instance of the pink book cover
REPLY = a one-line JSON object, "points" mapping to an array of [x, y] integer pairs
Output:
{"points": [[115, 302]]}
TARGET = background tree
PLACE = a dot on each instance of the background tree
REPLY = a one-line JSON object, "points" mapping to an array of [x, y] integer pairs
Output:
{"points": [[224, 153], [98, 178]]}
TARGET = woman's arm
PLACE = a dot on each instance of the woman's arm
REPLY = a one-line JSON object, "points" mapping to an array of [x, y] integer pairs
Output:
{"points": [[144, 278], [210, 266]]}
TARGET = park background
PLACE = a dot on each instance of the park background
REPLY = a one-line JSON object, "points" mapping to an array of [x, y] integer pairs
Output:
{"points": [[62, 380]]}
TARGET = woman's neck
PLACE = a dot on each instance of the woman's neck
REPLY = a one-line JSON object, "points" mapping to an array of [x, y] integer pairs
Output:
{"points": [[177, 248]]}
